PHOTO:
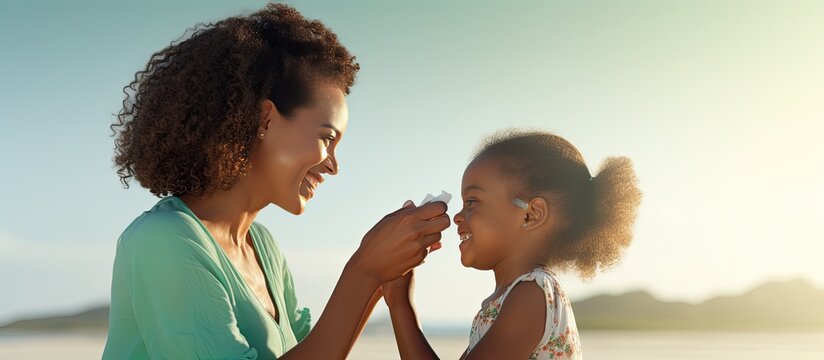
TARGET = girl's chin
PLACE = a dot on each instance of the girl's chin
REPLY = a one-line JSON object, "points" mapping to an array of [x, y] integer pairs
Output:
{"points": [[466, 261], [470, 262]]}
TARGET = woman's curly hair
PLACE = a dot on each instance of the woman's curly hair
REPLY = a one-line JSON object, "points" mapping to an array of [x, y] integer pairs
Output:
{"points": [[190, 117], [598, 211]]}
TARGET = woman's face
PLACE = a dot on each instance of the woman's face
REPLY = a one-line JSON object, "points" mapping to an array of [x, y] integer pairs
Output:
{"points": [[488, 222], [294, 153]]}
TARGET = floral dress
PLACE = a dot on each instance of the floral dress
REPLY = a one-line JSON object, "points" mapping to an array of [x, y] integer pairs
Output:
{"points": [[560, 339]]}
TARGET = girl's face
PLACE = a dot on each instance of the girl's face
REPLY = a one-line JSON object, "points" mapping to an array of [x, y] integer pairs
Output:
{"points": [[488, 223], [294, 153]]}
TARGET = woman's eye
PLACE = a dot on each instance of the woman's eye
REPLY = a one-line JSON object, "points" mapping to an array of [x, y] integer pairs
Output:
{"points": [[470, 202], [328, 140]]}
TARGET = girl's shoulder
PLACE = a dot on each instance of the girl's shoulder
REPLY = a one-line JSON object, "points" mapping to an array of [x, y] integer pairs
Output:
{"points": [[560, 339], [544, 278]]}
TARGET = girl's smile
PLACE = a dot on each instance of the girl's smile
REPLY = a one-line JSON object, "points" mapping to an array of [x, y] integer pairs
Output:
{"points": [[465, 240]]}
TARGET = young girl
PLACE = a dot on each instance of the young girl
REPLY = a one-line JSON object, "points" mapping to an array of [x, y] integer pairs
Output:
{"points": [[531, 207]]}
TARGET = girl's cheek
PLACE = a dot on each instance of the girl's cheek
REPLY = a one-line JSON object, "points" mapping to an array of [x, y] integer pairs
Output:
{"points": [[483, 230]]}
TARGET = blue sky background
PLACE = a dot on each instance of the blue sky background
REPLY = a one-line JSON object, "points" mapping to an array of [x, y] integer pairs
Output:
{"points": [[719, 103]]}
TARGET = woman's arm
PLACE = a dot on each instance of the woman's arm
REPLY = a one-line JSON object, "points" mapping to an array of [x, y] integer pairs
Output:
{"points": [[332, 336], [365, 317], [396, 244]]}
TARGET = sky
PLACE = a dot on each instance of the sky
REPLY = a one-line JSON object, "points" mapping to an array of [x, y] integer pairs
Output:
{"points": [[720, 105]]}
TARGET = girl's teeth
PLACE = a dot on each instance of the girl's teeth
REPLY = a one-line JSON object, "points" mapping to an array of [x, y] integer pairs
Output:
{"points": [[466, 237]]}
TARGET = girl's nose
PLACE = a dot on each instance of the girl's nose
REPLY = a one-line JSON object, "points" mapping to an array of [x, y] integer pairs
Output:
{"points": [[458, 218]]}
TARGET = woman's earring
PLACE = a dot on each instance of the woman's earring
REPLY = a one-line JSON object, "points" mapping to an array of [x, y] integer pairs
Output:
{"points": [[261, 135], [524, 225]]}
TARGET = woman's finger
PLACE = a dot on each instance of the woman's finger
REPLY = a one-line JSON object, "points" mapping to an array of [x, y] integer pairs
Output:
{"points": [[435, 225], [422, 254], [406, 204], [430, 210], [429, 240]]}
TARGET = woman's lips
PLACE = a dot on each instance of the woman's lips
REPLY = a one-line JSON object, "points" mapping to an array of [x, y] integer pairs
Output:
{"points": [[312, 180], [317, 178], [310, 184]]}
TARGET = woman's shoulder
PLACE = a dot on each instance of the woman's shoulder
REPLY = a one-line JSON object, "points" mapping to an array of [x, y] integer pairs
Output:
{"points": [[164, 227]]}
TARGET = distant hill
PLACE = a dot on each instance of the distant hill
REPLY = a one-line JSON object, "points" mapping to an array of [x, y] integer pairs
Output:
{"points": [[91, 320], [791, 305]]}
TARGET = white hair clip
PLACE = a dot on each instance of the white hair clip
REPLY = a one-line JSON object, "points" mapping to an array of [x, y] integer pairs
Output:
{"points": [[521, 204]]}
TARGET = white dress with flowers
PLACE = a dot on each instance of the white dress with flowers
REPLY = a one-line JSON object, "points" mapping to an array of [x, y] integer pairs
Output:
{"points": [[560, 339]]}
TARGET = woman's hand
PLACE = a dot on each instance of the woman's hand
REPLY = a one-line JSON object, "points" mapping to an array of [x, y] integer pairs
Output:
{"points": [[401, 289], [400, 241], [396, 244]]}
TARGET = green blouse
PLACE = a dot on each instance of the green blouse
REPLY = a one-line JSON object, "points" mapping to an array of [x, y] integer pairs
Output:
{"points": [[175, 294]]}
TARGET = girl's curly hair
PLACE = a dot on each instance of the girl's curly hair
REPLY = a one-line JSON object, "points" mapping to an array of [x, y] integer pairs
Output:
{"points": [[599, 210], [189, 118]]}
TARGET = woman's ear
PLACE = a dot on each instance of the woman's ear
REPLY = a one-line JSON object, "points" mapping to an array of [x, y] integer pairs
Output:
{"points": [[537, 213], [267, 111]]}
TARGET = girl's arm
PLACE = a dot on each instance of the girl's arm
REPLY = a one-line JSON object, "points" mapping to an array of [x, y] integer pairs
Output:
{"points": [[518, 328], [411, 342]]}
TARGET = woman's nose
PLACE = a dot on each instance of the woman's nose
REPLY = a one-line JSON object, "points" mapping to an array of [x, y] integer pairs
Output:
{"points": [[331, 164]]}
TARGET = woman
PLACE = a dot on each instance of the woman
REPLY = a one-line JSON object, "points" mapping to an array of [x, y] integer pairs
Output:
{"points": [[244, 113]]}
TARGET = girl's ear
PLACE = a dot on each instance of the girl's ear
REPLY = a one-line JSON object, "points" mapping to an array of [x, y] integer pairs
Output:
{"points": [[537, 213]]}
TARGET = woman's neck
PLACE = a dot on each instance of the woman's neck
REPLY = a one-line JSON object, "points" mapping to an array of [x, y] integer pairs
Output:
{"points": [[228, 214]]}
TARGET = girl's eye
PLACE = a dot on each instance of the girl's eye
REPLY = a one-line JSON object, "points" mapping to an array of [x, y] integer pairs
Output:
{"points": [[470, 202], [328, 140]]}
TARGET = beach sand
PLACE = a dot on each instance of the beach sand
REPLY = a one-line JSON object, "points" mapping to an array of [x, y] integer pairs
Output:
{"points": [[612, 345]]}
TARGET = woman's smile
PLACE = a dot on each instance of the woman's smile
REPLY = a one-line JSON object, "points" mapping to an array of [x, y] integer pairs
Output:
{"points": [[311, 182]]}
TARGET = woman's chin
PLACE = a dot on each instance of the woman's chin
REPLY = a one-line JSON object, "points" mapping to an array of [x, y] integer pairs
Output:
{"points": [[295, 206]]}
